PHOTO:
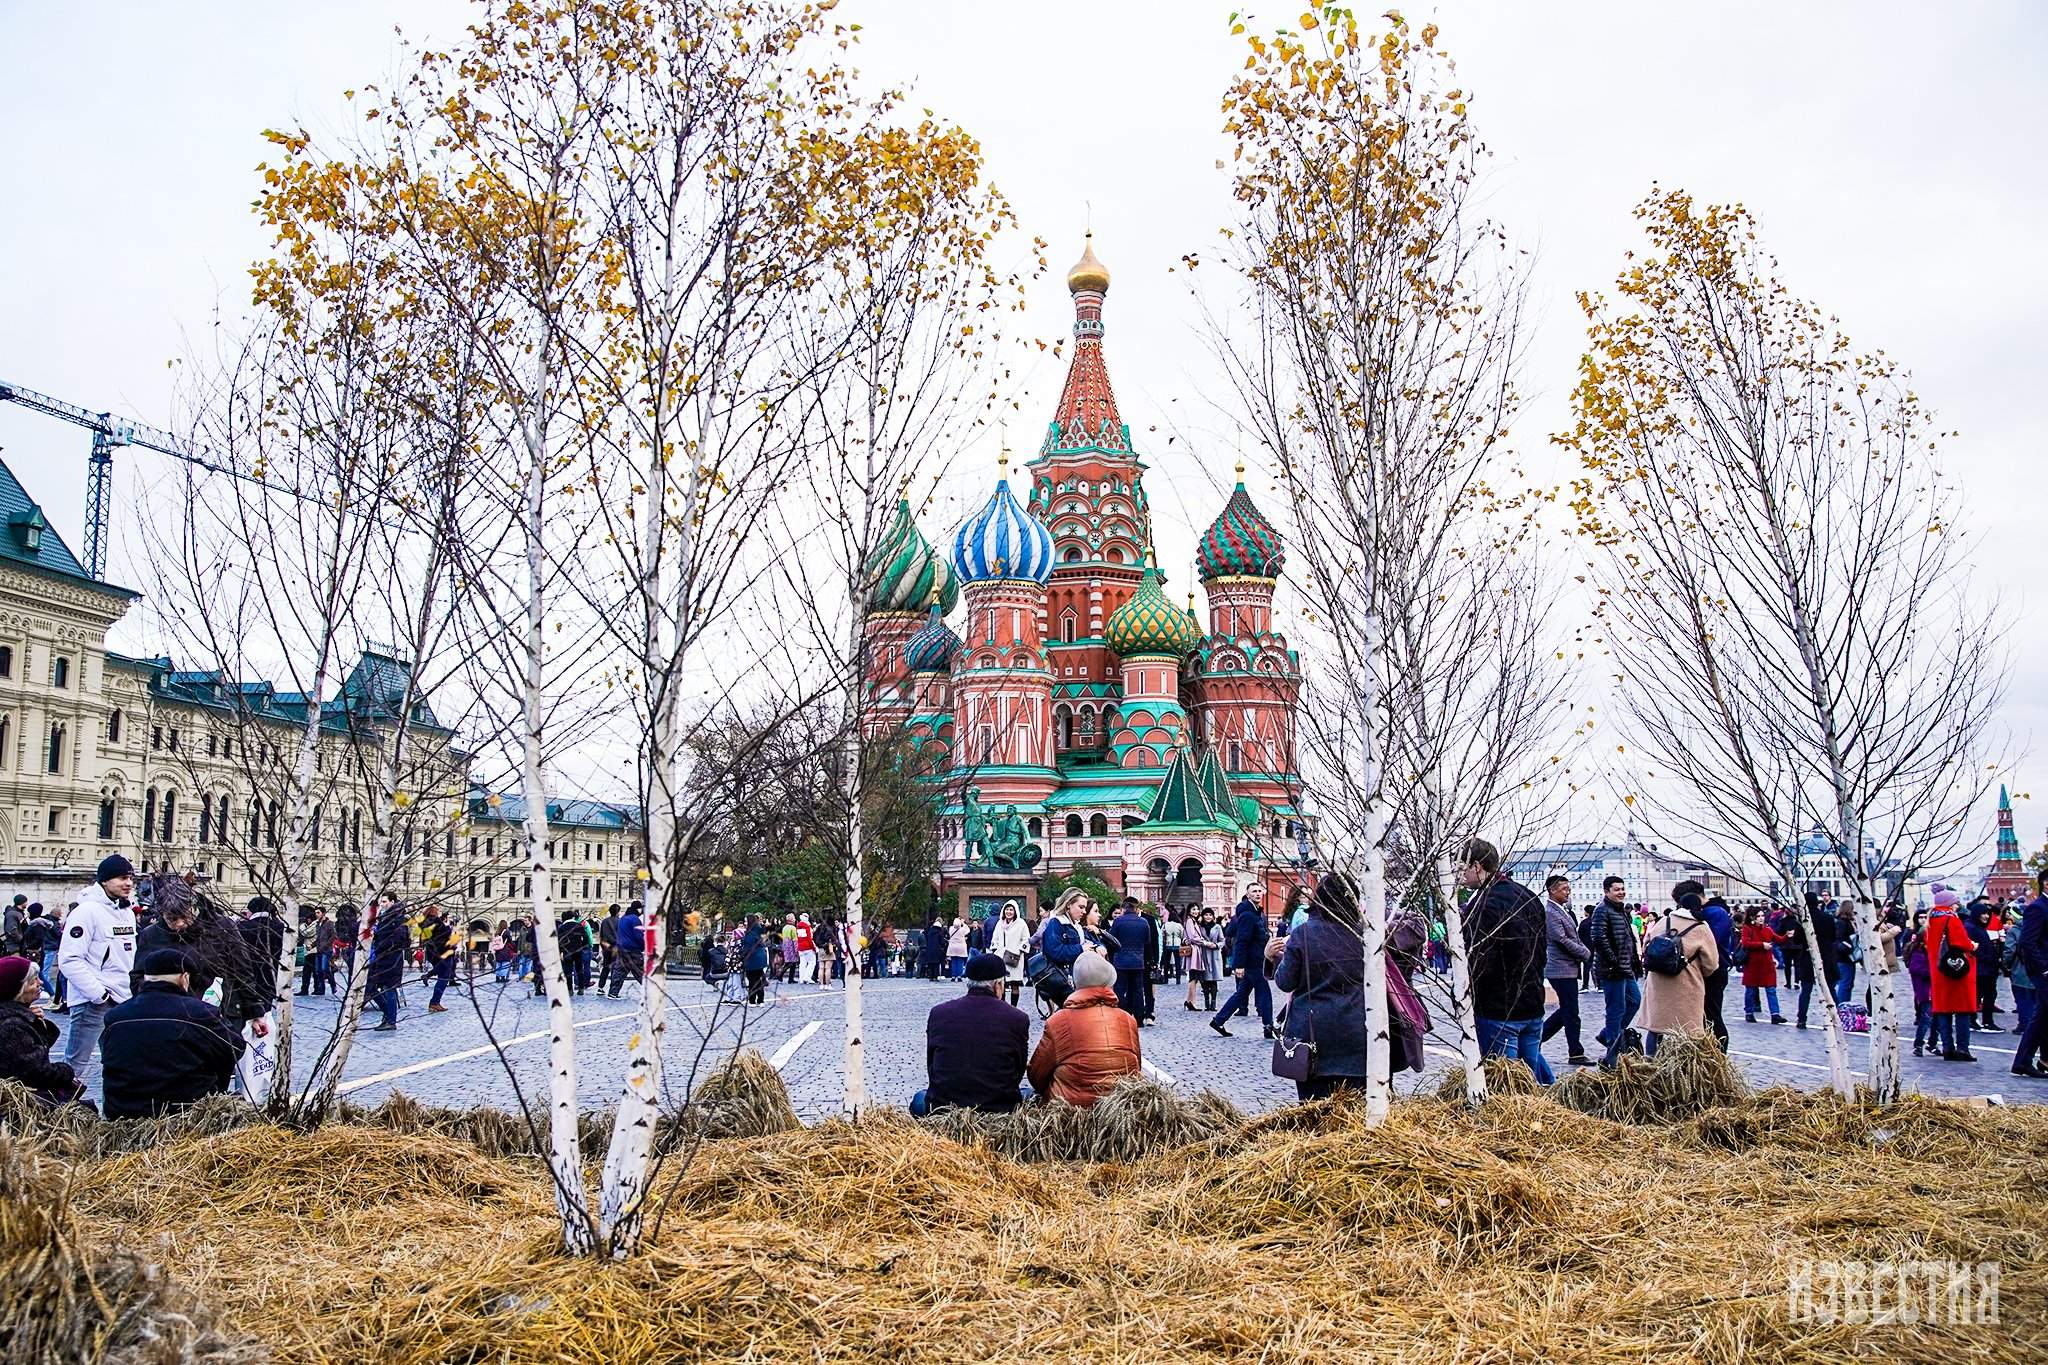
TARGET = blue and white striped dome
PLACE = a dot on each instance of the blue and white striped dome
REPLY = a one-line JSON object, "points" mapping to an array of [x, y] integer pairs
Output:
{"points": [[1002, 540], [931, 650]]}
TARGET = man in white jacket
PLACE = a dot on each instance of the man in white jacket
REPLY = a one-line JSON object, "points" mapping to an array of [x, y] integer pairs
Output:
{"points": [[96, 955]]}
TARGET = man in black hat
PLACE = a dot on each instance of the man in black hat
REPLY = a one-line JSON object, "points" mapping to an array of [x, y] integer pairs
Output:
{"points": [[975, 1046], [94, 956], [165, 1048]]}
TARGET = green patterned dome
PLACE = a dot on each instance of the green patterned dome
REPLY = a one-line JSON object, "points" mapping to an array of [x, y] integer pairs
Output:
{"points": [[1149, 624], [1241, 543], [905, 573]]}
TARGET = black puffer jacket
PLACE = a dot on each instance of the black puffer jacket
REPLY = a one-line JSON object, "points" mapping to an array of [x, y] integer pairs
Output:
{"points": [[162, 1050], [1610, 933], [25, 1054], [1504, 937]]}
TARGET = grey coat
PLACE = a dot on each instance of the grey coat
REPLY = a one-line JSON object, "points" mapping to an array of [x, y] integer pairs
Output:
{"points": [[1563, 949]]}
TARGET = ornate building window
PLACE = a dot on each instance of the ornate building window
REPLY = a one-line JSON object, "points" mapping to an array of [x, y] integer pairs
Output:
{"points": [[1098, 825], [60, 671], [6, 661], [1068, 623], [169, 830], [106, 817], [149, 815], [114, 726], [57, 736], [1036, 826], [1073, 826], [205, 818], [6, 734]]}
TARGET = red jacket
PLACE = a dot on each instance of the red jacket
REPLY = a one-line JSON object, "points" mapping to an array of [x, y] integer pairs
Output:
{"points": [[1948, 994], [1760, 965], [1088, 1044]]}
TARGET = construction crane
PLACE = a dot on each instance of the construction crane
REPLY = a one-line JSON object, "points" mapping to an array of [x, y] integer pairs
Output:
{"points": [[108, 432]]}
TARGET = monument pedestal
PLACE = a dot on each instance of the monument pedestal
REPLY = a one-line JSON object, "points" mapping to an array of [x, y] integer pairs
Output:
{"points": [[982, 891]]}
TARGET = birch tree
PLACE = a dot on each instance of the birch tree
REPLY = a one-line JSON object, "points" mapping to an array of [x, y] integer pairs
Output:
{"points": [[1379, 377], [1783, 570]]}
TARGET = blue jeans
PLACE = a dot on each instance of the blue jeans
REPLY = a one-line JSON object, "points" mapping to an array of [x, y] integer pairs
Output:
{"points": [[1749, 994], [1252, 986], [387, 1001], [50, 972], [2024, 1005], [1845, 981], [1519, 1038], [444, 974], [1953, 1030], [920, 1103], [1624, 998], [82, 1043]]}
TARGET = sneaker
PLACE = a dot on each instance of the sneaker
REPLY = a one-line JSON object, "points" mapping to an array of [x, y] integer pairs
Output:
{"points": [[1224, 1032], [1987, 1028], [1581, 1059], [1270, 1035], [1966, 1057]]}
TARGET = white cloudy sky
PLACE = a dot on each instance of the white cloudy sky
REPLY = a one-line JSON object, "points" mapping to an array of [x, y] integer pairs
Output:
{"points": [[1891, 152]]}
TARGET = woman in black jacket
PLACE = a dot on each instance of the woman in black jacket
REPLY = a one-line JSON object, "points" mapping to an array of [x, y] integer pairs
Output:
{"points": [[390, 944], [1322, 968], [25, 1036]]}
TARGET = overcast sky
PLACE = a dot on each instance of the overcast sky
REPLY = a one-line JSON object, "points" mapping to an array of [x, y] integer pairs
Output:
{"points": [[1891, 152]]}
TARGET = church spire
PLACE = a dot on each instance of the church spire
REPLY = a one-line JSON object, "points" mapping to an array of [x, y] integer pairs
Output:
{"points": [[1086, 418]]}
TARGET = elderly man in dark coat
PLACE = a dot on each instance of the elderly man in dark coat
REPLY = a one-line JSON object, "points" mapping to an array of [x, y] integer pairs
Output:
{"points": [[975, 1046], [164, 1049]]}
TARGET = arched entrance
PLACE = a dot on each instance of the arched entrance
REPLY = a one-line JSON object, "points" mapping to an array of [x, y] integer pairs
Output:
{"points": [[1186, 892]]}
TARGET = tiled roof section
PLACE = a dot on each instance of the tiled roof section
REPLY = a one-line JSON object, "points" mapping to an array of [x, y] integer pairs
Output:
{"points": [[368, 697], [1240, 542], [28, 539], [1215, 786], [1181, 803], [598, 815]]}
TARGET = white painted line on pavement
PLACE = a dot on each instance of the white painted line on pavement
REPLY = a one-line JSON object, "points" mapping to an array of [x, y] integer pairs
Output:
{"points": [[1164, 1077], [788, 1049], [1449, 1052], [488, 1049], [1785, 1061]]}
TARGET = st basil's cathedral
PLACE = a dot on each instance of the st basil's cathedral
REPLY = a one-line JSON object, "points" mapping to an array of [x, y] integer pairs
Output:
{"points": [[1075, 700]]}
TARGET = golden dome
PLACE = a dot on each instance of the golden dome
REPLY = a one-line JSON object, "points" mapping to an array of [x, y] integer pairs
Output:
{"points": [[1088, 273]]}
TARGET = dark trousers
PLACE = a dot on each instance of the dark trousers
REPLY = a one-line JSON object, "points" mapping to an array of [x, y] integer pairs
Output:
{"points": [[387, 1002], [1717, 990], [444, 973], [581, 976], [757, 986], [314, 977], [1923, 1023], [629, 969], [1805, 996], [1130, 991], [1251, 987], [1566, 1015], [2028, 1051], [1145, 980], [1987, 996], [1953, 1032], [1322, 1087]]}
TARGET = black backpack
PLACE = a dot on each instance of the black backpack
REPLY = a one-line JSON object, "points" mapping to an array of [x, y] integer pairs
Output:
{"points": [[1665, 954]]}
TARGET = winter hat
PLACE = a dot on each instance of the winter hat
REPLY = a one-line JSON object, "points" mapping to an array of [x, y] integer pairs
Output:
{"points": [[1093, 969], [1946, 899], [163, 962], [13, 971], [112, 866], [986, 967]]}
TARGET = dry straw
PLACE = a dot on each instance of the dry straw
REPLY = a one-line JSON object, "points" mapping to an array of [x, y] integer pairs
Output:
{"points": [[1524, 1230]]}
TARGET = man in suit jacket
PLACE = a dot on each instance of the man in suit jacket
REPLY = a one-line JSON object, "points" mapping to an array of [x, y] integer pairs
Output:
{"points": [[1244, 945]]}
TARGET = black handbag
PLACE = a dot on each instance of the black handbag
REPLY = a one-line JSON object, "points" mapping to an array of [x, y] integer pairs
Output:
{"points": [[1294, 1059], [1954, 962]]}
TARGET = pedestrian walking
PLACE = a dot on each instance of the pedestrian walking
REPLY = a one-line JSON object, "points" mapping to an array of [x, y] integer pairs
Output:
{"points": [[1760, 965], [1564, 953], [1505, 931], [1204, 947], [1617, 967], [440, 955], [1921, 972], [1245, 938], [1990, 964], [632, 944], [2029, 949], [1011, 941], [390, 941]]}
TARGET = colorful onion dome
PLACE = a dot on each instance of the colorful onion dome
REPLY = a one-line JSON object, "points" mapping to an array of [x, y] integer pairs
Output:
{"points": [[1002, 540], [1241, 543], [1088, 275], [933, 648], [1149, 624], [905, 573]]}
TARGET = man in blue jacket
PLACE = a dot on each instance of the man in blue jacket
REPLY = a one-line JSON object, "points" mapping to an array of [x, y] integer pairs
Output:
{"points": [[2033, 955], [1131, 933], [1244, 947], [164, 1049], [975, 1047], [1723, 925]]}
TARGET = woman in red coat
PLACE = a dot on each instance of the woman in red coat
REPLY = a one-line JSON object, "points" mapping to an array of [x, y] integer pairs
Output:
{"points": [[1759, 964], [1954, 998]]}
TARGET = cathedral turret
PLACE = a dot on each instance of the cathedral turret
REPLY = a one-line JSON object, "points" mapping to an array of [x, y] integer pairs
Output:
{"points": [[1002, 684], [904, 577], [1245, 681]]}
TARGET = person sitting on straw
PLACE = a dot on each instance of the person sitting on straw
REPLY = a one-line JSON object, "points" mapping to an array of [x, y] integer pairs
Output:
{"points": [[974, 1046], [164, 1049], [25, 1036], [1089, 1044]]}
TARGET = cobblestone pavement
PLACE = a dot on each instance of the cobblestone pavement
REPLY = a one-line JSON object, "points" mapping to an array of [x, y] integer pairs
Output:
{"points": [[452, 1059]]}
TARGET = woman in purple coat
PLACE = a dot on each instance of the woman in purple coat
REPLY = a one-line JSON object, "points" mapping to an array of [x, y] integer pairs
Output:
{"points": [[1923, 984]]}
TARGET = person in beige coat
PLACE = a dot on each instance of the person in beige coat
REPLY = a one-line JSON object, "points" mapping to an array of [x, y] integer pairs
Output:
{"points": [[1678, 1004]]}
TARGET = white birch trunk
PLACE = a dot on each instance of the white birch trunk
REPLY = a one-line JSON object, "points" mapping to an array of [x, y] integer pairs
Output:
{"points": [[1372, 887], [1886, 1081], [279, 1093], [1838, 1042], [565, 1161], [1461, 987], [632, 1145], [856, 837]]}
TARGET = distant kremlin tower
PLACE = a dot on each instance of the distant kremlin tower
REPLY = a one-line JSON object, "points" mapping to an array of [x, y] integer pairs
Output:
{"points": [[1123, 734]]}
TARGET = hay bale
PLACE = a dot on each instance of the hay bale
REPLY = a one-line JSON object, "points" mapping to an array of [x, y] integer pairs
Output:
{"points": [[64, 1298], [742, 1099], [1136, 1119], [1504, 1076], [1688, 1076]]}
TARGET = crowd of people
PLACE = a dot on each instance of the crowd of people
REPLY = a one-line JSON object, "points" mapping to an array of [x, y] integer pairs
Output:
{"points": [[1531, 960]]}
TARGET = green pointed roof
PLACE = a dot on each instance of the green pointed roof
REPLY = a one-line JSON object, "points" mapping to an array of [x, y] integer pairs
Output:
{"points": [[1181, 804], [1209, 776], [1148, 623]]}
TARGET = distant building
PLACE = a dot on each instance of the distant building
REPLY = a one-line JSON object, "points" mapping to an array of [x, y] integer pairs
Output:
{"points": [[1647, 874], [1821, 865], [2007, 879]]}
